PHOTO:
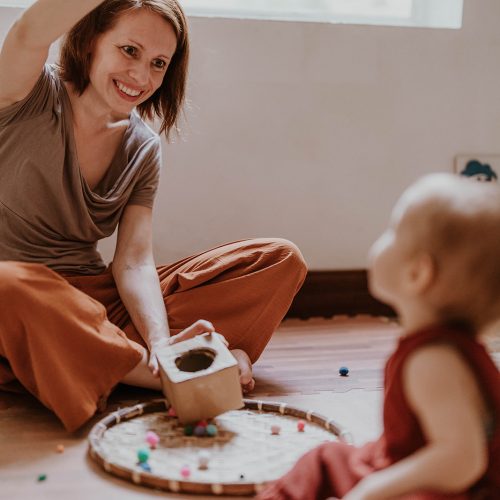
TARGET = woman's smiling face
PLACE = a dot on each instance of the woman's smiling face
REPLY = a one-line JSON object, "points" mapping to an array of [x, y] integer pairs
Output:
{"points": [[130, 60]]}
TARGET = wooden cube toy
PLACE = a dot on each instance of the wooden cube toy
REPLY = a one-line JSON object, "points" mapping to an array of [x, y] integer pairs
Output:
{"points": [[200, 378]]}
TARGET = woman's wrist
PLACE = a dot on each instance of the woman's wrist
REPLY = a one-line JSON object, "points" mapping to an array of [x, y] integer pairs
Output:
{"points": [[157, 339]]}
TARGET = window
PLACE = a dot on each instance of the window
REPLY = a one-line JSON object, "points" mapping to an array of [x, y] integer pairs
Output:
{"points": [[15, 3], [417, 13]]}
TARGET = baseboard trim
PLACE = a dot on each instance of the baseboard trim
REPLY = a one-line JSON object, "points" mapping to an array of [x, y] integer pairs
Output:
{"points": [[330, 293]]}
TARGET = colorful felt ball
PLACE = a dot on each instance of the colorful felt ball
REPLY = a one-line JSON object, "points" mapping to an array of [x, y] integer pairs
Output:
{"points": [[301, 425], [145, 466], [41, 477], [60, 448], [143, 455], [275, 429], [203, 459], [202, 423], [152, 439], [200, 431], [185, 471], [171, 412], [343, 370], [188, 430], [211, 430]]}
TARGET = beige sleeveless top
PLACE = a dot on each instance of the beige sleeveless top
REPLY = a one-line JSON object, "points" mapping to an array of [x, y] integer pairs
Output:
{"points": [[48, 213]]}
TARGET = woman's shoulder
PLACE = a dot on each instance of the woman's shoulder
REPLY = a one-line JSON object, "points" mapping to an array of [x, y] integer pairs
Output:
{"points": [[43, 97], [48, 83]]}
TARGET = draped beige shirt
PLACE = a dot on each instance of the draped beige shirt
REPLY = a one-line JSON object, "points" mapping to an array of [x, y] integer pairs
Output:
{"points": [[48, 213]]}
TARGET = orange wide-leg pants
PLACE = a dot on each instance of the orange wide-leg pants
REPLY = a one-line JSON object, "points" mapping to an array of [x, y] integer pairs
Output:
{"points": [[69, 340]]}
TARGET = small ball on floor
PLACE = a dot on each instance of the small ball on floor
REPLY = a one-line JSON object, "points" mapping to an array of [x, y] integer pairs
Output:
{"points": [[275, 430]]}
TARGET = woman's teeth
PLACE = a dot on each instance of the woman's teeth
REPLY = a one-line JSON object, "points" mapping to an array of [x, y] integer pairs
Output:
{"points": [[128, 91]]}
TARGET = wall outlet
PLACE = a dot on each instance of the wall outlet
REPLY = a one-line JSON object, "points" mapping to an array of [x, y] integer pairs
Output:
{"points": [[484, 168]]}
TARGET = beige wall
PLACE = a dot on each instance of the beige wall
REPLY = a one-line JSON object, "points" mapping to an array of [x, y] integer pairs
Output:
{"points": [[310, 131]]}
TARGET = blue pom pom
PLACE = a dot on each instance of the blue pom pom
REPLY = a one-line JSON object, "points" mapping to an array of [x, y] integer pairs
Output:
{"points": [[145, 466], [343, 370], [211, 430]]}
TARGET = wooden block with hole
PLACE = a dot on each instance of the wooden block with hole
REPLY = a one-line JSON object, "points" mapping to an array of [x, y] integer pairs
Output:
{"points": [[200, 378]]}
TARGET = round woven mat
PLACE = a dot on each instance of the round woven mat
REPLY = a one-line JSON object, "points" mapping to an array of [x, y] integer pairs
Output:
{"points": [[244, 456]]}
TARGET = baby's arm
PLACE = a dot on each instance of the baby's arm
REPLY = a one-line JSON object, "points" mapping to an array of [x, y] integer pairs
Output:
{"points": [[446, 398]]}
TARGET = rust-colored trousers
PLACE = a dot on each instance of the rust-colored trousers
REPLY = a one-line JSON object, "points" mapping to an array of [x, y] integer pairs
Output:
{"points": [[69, 340]]}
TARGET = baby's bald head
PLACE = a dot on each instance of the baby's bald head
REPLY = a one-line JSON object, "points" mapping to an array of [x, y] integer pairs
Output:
{"points": [[457, 222]]}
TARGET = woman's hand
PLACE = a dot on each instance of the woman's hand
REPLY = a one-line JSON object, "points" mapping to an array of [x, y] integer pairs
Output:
{"points": [[200, 327]]}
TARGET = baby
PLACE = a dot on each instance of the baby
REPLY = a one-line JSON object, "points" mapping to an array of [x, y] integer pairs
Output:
{"points": [[438, 266]]}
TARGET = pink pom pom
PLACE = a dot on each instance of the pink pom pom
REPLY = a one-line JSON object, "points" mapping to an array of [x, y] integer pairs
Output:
{"points": [[301, 425], [185, 472], [152, 439]]}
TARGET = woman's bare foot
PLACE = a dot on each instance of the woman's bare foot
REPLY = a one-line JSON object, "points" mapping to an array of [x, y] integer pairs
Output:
{"points": [[246, 380]]}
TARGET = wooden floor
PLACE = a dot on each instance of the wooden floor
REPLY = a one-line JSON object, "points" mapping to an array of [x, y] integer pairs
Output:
{"points": [[300, 366]]}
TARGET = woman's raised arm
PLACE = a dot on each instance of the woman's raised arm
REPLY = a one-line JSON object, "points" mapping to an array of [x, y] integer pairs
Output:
{"points": [[26, 46]]}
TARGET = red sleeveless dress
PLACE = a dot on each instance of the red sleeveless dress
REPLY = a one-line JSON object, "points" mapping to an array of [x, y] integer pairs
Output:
{"points": [[332, 469]]}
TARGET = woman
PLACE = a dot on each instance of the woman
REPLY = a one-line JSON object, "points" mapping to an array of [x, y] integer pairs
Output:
{"points": [[77, 160]]}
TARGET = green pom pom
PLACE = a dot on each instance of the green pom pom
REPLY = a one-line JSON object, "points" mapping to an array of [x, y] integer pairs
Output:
{"points": [[188, 430], [42, 477], [143, 455]]}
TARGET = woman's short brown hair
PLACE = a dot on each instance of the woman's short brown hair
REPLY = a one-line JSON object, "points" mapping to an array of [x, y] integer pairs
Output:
{"points": [[166, 102]]}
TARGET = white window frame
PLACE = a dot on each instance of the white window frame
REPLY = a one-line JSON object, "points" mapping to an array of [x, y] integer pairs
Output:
{"points": [[422, 13]]}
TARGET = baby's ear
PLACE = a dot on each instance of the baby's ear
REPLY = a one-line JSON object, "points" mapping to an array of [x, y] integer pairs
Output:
{"points": [[421, 273]]}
